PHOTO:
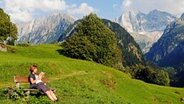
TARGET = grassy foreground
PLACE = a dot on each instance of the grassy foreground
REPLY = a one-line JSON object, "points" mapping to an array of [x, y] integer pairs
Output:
{"points": [[80, 82]]}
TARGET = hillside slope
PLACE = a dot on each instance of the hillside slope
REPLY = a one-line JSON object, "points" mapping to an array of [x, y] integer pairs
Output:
{"points": [[81, 82]]}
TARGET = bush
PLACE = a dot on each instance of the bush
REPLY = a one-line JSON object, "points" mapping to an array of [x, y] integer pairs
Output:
{"points": [[24, 44], [8, 29], [14, 93], [19, 95], [150, 75]]}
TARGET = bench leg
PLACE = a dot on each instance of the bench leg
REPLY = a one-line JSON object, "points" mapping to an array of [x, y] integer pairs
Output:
{"points": [[17, 85], [27, 95]]}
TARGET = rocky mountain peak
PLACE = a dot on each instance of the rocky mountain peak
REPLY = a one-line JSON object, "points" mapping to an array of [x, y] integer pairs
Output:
{"points": [[171, 41], [145, 28], [44, 30]]}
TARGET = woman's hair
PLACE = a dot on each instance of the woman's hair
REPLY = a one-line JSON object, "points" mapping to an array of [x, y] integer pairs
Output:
{"points": [[32, 68]]}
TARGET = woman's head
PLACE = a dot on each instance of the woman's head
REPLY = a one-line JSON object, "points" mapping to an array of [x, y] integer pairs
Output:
{"points": [[33, 69]]}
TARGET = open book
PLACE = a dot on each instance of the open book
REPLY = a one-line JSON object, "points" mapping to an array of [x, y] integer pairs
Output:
{"points": [[39, 77]]}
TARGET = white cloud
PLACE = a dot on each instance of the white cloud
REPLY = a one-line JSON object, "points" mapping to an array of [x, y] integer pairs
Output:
{"points": [[82, 10], [127, 3], [25, 10], [21, 16], [172, 6]]}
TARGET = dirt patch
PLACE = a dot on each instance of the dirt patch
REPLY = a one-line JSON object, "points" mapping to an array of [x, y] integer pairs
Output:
{"points": [[3, 48], [110, 81], [73, 74]]}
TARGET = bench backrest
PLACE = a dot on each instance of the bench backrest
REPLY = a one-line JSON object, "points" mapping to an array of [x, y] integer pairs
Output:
{"points": [[24, 79]]}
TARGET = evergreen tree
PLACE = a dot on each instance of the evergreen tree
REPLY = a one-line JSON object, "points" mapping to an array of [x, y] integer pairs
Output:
{"points": [[150, 74], [7, 28], [92, 40]]}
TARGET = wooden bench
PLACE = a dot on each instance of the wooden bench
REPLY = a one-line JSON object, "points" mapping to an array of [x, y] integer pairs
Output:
{"points": [[24, 80]]}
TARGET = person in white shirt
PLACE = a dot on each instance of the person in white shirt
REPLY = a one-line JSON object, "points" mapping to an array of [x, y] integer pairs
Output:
{"points": [[36, 82]]}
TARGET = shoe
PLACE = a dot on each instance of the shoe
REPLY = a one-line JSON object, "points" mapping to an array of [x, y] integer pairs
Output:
{"points": [[56, 100]]}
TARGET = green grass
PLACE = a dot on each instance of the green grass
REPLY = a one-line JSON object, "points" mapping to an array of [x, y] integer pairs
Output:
{"points": [[80, 82]]}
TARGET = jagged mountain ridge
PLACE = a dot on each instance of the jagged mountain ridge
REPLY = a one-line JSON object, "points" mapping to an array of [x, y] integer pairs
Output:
{"points": [[167, 51], [44, 30], [150, 26]]}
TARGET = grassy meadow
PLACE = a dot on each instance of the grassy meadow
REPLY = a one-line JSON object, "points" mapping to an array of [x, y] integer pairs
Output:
{"points": [[80, 82]]}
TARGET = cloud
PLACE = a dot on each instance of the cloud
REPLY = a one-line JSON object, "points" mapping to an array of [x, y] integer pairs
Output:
{"points": [[36, 4], [172, 6], [23, 11], [127, 3], [82, 10], [20, 16], [26, 10]]}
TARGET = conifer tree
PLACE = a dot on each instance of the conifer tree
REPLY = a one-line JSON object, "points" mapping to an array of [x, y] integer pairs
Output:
{"points": [[92, 40]]}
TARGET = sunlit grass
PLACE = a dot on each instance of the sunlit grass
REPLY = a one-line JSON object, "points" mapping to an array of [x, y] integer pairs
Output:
{"points": [[81, 82]]}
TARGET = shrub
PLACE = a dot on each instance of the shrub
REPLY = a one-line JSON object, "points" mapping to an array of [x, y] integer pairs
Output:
{"points": [[24, 44], [19, 95], [150, 75], [14, 93], [8, 29]]}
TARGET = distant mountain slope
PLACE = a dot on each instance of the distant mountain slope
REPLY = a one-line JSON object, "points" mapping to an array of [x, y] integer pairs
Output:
{"points": [[150, 26], [131, 51], [44, 30], [169, 50]]}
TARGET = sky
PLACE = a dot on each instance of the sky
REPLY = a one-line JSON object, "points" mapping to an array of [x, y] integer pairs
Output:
{"points": [[27, 10], [172, 6]]}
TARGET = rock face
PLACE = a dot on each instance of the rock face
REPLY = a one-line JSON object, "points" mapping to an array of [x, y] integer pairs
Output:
{"points": [[44, 30], [131, 51], [169, 49], [145, 28]]}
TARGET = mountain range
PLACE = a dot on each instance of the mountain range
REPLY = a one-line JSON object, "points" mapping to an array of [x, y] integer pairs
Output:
{"points": [[145, 28], [44, 30], [169, 50]]}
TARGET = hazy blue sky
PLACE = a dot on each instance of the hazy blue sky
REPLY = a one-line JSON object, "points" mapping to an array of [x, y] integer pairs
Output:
{"points": [[26, 10], [104, 8]]}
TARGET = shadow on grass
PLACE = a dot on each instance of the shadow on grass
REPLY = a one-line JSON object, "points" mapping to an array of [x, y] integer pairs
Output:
{"points": [[60, 51], [37, 95]]}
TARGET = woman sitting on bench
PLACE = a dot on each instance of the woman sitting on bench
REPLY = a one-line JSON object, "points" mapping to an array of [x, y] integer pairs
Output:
{"points": [[36, 82]]}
